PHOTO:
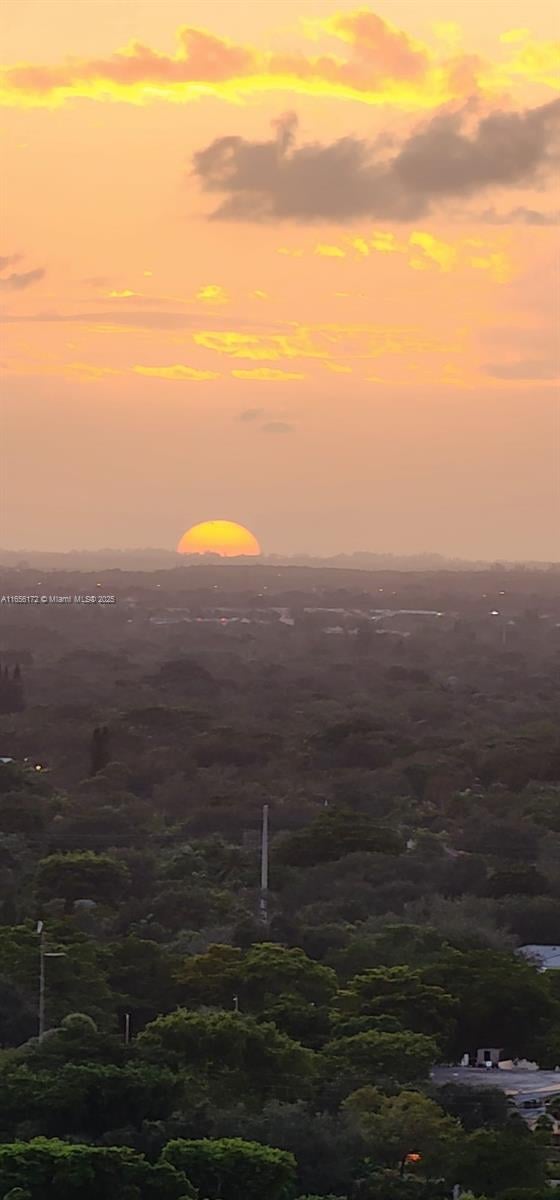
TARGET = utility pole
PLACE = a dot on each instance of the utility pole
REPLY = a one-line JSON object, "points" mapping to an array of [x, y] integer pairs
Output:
{"points": [[41, 932], [43, 955], [264, 866]]}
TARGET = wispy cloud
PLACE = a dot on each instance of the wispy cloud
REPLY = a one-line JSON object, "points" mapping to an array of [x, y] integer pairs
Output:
{"points": [[261, 347], [8, 260], [212, 293], [84, 371], [177, 372], [324, 342], [278, 427], [518, 216], [525, 369], [18, 281], [251, 414], [337, 368], [328, 251], [129, 319], [268, 374], [89, 371], [424, 251]]}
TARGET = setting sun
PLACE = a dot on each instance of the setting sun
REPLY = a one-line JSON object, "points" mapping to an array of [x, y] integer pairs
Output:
{"points": [[226, 538]]}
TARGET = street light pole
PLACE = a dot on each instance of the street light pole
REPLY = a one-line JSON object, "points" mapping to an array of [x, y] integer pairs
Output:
{"points": [[41, 932], [43, 955], [264, 866]]}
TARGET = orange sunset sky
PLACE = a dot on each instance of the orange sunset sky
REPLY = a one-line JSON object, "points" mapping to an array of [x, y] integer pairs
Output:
{"points": [[289, 264]]}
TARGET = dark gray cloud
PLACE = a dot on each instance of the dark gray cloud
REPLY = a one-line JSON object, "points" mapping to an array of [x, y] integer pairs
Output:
{"points": [[446, 157], [17, 282], [525, 369], [278, 427], [519, 216]]}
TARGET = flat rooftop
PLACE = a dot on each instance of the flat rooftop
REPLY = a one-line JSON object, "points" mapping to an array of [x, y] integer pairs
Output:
{"points": [[515, 1083]]}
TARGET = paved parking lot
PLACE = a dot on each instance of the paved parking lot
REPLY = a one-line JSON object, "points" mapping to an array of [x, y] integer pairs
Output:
{"points": [[519, 1085]]}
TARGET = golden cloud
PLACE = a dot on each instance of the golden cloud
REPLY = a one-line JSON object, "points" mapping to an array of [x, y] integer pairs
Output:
{"points": [[337, 368], [325, 343], [261, 347], [89, 371], [385, 243], [212, 293], [497, 264], [443, 254], [325, 251], [388, 50], [176, 372], [425, 251], [512, 36], [533, 61], [381, 65], [266, 373]]}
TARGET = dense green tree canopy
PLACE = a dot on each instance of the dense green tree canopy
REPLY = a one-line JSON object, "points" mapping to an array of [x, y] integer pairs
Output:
{"points": [[403, 1124], [493, 1160], [274, 982], [232, 1052], [376, 1056], [82, 875], [230, 1166], [502, 1000], [55, 1170], [411, 768], [401, 993], [333, 834]]}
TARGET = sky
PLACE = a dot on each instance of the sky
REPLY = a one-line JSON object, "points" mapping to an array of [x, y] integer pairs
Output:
{"points": [[291, 264]]}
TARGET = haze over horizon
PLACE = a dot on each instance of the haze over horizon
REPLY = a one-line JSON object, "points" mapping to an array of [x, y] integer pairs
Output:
{"points": [[157, 558], [291, 266]]}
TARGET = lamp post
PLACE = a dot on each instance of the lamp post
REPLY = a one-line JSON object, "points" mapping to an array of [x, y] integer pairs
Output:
{"points": [[263, 905], [43, 955]]}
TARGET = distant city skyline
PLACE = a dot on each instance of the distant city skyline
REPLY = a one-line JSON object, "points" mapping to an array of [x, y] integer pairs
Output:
{"points": [[290, 266]]}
